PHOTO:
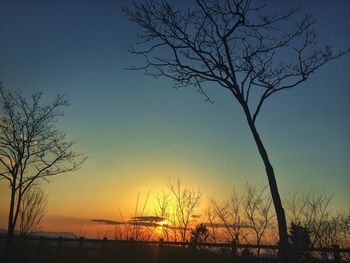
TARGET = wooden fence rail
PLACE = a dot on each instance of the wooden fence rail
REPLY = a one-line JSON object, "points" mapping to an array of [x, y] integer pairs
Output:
{"points": [[60, 249]]}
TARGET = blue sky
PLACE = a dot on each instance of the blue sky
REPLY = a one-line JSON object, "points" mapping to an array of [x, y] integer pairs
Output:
{"points": [[138, 131]]}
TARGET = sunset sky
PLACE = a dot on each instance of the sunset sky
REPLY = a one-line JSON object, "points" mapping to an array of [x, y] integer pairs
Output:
{"points": [[139, 132]]}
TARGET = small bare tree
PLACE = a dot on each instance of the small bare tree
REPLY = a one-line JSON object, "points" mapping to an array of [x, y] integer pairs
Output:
{"points": [[237, 46], [326, 227], [138, 231], [31, 147], [139, 226], [32, 211], [213, 227], [162, 210], [229, 215], [345, 227], [258, 212], [186, 201], [312, 210]]}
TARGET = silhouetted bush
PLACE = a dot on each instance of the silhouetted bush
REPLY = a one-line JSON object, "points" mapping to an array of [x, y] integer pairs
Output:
{"points": [[300, 239]]}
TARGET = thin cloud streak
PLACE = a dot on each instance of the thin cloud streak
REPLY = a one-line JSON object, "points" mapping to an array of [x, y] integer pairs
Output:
{"points": [[153, 221]]}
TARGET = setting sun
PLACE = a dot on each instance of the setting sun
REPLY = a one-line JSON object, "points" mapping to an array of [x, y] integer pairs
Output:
{"points": [[163, 223]]}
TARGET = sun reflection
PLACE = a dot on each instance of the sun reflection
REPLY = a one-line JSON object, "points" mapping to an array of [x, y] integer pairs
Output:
{"points": [[163, 223], [161, 227]]}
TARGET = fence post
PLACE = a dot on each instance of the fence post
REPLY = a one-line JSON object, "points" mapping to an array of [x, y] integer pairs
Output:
{"points": [[194, 244], [22, 248], [336, 254], [161, 242], [131, 249], [81, 240], [103, 254], [58, 248], [159, 255], [41, 238], [234, 248]]}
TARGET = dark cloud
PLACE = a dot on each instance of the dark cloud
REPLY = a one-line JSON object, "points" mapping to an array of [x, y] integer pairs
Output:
{"points": [[221, 225], [153, 221], [107, 222], [147, 219]]}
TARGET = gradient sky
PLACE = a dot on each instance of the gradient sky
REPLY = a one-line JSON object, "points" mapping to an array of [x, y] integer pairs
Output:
{"points": [[138, 131]]}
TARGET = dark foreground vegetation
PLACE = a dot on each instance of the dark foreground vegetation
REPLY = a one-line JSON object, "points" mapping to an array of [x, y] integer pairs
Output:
{"points": [[94, 250]]}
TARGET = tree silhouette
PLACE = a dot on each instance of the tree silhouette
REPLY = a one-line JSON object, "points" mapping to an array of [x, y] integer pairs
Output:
{"points": [[257, 210], [300, 238], [32, 210], [200, 234], [31, 147], [230, 214], [186, 201], [237, 46]]}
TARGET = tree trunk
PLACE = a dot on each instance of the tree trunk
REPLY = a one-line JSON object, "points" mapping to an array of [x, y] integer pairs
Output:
{"points": [[10, 225], [18, 206], [284, 253]]}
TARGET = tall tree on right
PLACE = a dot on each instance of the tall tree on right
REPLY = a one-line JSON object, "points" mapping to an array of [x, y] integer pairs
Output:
{"points": [[236, 45]]}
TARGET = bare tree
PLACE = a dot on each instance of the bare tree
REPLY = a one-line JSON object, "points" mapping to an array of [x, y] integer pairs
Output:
{"points": [[312, 210], [326, 227], [186, 201], [162, 210], [32, 211], [257, 208], [138, 231], [237, 46], [31, 147], [213, 226], [229, 215], [345, 227], [296, 206]]}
